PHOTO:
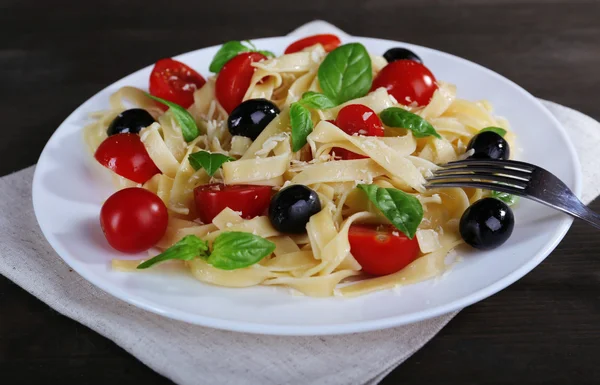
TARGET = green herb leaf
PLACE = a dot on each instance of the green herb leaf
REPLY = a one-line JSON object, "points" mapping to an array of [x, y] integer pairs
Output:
{"points": [[188, 248], [230, 50], [507, 198], [184, 119], [236, 250], [346, 73], [302, 125], [227, 52], [398, 117], [316, 100], [402, 209], [497, 130], [251, 44], [266, 53], [208, 161]]}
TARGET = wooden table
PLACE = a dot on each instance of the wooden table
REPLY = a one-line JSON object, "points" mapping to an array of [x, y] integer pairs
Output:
{"points": [[56, 54]]}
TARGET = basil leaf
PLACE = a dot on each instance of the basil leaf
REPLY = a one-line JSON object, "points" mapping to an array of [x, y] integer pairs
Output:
{"points": [[236, 250], [507, 198], [316, 100], [227, 52], [230, 50], [266, 53], [346, 73], [188, 248], [251, 44], [497, 130], [399, 117], [302, 125], [184, 119], [402, 209], [208, 161]]}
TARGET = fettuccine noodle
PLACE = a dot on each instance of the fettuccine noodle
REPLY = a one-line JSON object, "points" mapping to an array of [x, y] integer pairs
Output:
{"points": [[318, 263]]}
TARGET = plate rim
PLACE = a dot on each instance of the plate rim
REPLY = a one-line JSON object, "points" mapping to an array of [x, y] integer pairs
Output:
{"points": [[319, 26]]}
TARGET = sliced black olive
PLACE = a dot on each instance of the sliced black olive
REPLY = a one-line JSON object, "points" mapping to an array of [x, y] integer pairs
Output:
{"points": [[489, 145], [292, 207], [487, 223], [394, 54], [130, 122], [251, 117]]}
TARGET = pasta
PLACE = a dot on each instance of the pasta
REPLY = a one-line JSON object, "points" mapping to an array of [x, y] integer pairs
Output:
{"points": [[319, 262]]}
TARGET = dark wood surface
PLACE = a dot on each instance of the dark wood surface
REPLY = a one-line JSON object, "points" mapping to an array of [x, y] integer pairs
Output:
{"points": [[56, 54]]}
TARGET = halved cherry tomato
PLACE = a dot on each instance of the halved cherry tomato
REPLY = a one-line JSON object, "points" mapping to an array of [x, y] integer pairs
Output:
{"points": [[126, 155], [408, 81], [234, 79], [250, 200], [174, 81], [357, 119], [133, 220], [344, 154], [328, 41], [381, 250]]}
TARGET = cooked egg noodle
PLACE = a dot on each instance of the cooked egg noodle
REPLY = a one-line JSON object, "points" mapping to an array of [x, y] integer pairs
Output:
{"points": [[319, 262]]}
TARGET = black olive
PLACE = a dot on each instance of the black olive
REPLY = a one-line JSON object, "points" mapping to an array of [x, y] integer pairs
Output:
{"points": [[251, 117], [130, 122], [487, 223], [489, 145], [292, 207], [394, 54]]}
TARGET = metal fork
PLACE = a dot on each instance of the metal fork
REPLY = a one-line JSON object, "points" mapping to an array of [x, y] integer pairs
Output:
{"points": [[513, 177]]}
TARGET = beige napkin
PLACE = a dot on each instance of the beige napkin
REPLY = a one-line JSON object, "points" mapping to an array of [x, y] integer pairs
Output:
{"points": [[190, 354]]}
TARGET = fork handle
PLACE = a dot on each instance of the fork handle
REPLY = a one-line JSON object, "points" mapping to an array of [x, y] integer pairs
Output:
{"points": [[570, 204], [586, 214]]}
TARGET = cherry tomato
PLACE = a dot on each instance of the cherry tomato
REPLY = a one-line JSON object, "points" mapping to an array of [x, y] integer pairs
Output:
{"points": [[174, 81], [328, 41], [126, 155], [250, 200], [381, 250], [234, 79], [357, 119], [133, 220], [344, 154], [408, 81]]}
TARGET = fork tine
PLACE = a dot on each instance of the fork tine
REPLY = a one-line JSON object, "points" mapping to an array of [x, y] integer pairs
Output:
{"points": [[493, 163], [477, 168], [482, 185], [480, 177]]}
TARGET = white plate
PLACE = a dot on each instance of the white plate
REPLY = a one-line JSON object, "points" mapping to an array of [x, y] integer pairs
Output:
{"points": [[67, 197]]}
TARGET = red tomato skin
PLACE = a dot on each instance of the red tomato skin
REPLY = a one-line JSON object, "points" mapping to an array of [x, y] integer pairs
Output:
{"points": [[133, 220], [328, 41], [250, 200], [381, 250], [407, 79], [174, 81], [344, 154], [357, 119], [234, 79], [126, 155]]}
